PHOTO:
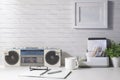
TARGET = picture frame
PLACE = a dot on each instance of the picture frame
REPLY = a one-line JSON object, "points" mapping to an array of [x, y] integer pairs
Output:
{"points": [[91, 14]]}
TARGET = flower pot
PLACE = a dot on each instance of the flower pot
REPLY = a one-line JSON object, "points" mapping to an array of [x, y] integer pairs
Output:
{"points": [[116, 61]]}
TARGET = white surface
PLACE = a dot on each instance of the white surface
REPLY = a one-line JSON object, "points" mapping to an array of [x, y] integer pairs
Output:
{"points": [[41, 23], [80, 74]]}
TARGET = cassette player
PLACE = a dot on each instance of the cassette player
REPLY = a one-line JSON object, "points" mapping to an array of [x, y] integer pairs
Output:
{"points": [[32, 57]]}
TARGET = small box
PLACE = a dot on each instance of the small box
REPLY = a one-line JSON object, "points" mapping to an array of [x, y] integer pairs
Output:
{"points": [[95, 62]]}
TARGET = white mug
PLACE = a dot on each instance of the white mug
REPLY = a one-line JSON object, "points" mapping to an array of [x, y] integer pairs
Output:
{"points": [[71, 63]]}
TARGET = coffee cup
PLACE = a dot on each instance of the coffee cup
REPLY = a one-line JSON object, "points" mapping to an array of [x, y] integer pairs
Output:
{"points": [[71, 63]]}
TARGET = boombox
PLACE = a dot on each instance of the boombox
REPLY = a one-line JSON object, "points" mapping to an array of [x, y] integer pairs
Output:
{"points": [[24, 57], [32, 57]]}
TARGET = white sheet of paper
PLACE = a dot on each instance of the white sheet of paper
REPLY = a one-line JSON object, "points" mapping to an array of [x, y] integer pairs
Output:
{"points": [[61, 75], [35, 73]]}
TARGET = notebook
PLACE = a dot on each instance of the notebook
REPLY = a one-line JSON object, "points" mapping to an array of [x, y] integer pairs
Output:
{"points": [[54, 73]]}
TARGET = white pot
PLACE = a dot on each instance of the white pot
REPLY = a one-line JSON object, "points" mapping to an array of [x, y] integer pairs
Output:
{"points": [[116, 61]]}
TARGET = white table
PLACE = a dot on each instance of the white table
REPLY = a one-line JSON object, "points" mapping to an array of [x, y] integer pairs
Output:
{"points": [[12, 73]]}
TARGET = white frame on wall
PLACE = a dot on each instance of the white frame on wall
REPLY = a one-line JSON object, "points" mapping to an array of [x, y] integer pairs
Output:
{"points": [[91, 14]]}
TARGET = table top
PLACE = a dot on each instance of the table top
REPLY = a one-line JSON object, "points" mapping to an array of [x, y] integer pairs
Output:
{"points": [[12, 73]]}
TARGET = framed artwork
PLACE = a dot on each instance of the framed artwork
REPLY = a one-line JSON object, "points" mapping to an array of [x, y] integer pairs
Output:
{"points": [[91, 14]]}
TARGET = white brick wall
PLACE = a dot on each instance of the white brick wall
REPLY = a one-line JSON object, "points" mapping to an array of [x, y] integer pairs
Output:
{"points": [[41, 23]]}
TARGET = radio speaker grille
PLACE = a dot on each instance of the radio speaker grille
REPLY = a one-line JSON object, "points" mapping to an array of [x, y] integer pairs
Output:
{"points": [[12, 58], [52, 58]]}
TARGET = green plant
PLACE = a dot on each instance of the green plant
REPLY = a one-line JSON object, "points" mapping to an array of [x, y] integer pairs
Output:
{"points": [[113, 50]]}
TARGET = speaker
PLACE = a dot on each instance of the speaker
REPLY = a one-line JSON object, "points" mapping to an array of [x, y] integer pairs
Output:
{"points": [[52, 57], [12, 57]]}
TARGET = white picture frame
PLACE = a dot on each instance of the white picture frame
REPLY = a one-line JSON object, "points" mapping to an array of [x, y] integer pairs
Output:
{"points": [[91, 14]]}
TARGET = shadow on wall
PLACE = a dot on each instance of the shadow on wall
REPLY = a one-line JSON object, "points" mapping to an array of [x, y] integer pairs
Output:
{"points": [[64, 55], [108, 45], [110, 14]]}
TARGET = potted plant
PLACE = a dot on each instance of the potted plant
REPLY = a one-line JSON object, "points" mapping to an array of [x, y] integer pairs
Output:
{"points": [[114, 53]]}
